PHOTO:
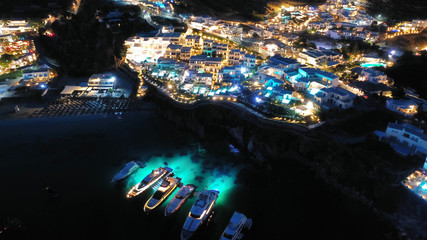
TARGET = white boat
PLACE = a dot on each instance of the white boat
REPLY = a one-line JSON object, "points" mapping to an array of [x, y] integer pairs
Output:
{"points": [[237, 223], [179, 199], [149, 180], [128, 170], [167, 187], [199, 213]]}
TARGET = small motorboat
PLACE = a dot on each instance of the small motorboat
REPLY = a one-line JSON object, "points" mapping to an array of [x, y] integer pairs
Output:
{"points": [[237, 223], [51, 192], [128, 170], [179, 199]]}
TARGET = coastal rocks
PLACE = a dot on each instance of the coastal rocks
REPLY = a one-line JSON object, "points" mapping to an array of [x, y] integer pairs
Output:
{"points": [[237, 134], [354, 170]]}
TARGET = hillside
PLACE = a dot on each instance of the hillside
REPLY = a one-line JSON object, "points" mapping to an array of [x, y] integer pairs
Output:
{"points": [[400, 10]]}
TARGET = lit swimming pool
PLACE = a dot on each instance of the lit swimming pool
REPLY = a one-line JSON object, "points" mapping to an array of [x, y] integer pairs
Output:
{"points": [[370, 65]]}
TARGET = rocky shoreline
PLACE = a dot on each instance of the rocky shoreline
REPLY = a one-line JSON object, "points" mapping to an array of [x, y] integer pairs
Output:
{"points": [[272, 146]]}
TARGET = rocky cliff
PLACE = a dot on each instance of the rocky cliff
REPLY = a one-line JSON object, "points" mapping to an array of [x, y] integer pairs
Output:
{"points": [[362, 171]]}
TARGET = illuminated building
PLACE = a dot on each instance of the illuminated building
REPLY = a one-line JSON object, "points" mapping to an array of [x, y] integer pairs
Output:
{"points": [[213, 65], [15, 26], [186, 53], [316, 57], [149, 49], [334, 97], [405, 107], [198, 62], [39, 75], [370, 75], [236, 57], [194, 41], [405, 138], [102, 81], [173, 51]]}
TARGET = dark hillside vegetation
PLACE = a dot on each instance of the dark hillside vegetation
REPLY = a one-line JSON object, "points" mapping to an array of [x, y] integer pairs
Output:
{"points": [[83, 45], [233, 9], [399, 10], [411, 71]]}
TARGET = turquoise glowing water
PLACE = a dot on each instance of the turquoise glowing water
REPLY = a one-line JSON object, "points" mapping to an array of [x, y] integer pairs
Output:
{"points": [[370, 65], [192, 169]]}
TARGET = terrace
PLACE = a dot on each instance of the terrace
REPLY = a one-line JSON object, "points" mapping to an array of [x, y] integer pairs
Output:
{"points": [[417, 183]]}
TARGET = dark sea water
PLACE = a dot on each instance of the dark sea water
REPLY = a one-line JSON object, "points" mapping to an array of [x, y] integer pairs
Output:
{"points": [[78, 156]]}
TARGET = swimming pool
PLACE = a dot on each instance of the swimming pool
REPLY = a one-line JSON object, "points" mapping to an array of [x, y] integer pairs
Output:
{"points": [[370, 65]]}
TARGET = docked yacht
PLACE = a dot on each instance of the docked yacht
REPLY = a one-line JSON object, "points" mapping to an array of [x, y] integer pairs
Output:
{"points": [[128, 170], [237, 223], [167, 187], [199, 213], [179, 199], [149, 181]]}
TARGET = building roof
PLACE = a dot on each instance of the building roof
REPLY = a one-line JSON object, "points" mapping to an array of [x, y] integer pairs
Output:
{"points": [[373, 72], [174, 46], [186, 49], [228, 68], [196, 37], [329, 75], [317, 53], [170, 34], [204, 75], [70, 89], [406, 127], [338, 91], [357, 70], [198, 58], [285, 61], [35, 71], [101, 75], [400, 102], [369, 86], [214, 60], [303, 80], [237, 51]]}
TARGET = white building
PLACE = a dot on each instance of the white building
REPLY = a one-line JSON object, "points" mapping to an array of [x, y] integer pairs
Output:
{"points": [[405, 107], [102, 81], [149, 49], [173, 51], [38, 75], [197, 62], [15, 26], [372, 75], [250, 60], [236, 57], [213, 65], [194, 41], [405, 138], [335, 97], [317, 57], [420, 24]]}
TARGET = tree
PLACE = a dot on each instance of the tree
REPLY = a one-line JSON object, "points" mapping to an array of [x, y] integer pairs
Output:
{"points": [[5, 60], [398, 93], [5, 22]]}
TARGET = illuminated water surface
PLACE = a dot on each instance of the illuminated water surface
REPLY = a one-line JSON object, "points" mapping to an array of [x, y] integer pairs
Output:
{"points": [[194, 169]]}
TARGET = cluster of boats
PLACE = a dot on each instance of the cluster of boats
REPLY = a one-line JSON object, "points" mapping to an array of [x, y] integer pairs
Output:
{"points": [[166, 183]]}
